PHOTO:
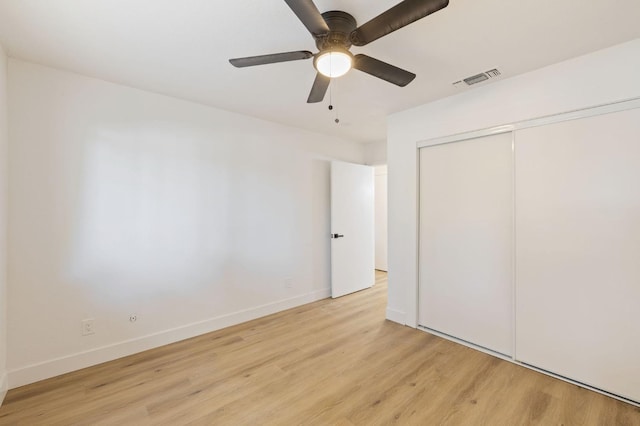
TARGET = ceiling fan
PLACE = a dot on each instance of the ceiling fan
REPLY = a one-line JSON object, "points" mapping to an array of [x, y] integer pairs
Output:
{"points": [[335, 32]]}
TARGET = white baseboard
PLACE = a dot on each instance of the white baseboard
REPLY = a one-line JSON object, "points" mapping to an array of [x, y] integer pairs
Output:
{"points": [[4, 386], [55, 367], [396, 316]]}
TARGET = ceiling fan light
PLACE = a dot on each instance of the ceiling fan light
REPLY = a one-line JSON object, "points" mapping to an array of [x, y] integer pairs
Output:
{"points": [[333, 63]]}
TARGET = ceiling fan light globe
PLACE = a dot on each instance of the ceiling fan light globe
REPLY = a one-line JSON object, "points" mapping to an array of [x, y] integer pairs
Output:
{"points": [[333, 63]]}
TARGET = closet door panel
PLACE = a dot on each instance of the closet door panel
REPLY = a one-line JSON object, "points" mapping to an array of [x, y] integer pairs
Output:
{"points": [[578, 250], [466, 240]]}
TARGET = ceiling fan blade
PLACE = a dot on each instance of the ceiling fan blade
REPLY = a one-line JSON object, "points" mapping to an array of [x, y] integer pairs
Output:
{"points": [[310, 16], [270, 59], [398, 16], [319, 88], [383, 70]]}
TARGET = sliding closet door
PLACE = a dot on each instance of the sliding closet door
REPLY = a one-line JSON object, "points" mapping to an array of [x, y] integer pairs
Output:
{"points": [[466, 240], [578, 250]]}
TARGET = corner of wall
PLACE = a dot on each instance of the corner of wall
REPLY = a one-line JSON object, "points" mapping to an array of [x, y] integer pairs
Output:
{"points": [[396, 316], [3, 223], [375, 153], [4, 386]]}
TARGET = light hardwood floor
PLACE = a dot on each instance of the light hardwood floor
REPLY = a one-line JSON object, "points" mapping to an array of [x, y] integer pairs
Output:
{"points": [[333, 362]]}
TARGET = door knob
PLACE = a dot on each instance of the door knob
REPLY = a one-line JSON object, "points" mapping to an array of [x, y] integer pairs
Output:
{"points": [[337, 235]]}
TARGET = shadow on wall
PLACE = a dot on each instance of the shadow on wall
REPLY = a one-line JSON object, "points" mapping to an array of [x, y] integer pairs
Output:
{"points": [[161, 217]]}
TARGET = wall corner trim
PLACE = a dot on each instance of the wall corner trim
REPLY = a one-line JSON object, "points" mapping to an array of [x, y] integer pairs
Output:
{"points": [[4, 385], [55, 367], [396, 316]]}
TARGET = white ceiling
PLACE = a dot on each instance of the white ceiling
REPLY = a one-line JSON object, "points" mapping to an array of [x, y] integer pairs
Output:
{"points": [[180, 48]]}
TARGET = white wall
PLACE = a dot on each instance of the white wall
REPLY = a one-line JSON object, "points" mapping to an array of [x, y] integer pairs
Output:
{"points": [[381, 217], [3, 222], [601, 77], [127, 202], [375, 153]]}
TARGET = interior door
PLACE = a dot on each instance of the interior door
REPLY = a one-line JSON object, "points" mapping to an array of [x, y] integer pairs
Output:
{"points": [[466, 240], [578, 250], [352, 228]]}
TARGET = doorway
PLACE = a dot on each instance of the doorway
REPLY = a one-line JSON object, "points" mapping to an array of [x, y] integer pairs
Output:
{"points": [[380, 217]]}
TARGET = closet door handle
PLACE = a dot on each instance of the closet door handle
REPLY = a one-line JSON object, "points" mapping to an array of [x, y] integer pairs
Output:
{"points": [[337, 236]]}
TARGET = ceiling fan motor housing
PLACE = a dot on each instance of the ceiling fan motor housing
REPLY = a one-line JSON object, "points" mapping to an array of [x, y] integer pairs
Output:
{"points": [[341, 25]]}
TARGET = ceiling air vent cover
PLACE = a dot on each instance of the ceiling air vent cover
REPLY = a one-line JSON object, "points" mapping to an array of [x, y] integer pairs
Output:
{"points": [[475, 79], [478, 78]]}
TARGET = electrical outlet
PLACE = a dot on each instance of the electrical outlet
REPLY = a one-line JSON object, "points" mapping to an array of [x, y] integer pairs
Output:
{"points": [[133, 318], [87, 326]]}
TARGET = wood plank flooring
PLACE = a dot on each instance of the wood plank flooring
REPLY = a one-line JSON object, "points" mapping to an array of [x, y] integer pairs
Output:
{"points": [[332, 362]]}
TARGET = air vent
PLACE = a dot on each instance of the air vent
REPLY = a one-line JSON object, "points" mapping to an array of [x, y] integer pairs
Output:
{"points": [[478, 78], [475, 79]]}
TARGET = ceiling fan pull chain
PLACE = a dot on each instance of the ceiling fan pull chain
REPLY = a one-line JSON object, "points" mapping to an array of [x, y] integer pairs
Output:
{"points": [[337, 120], [331, 90]]}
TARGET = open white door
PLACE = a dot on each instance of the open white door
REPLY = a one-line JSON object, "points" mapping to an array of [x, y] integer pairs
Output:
{"points": [[352, 228]]}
